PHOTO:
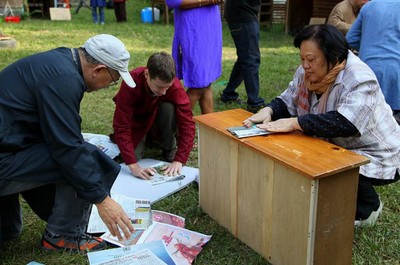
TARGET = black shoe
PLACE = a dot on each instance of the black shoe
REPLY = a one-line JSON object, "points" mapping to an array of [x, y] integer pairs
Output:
{"points": [[237, 100], [397, 117], [255, 109]]}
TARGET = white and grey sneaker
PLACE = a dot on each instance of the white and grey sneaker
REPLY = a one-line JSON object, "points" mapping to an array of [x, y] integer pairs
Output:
{"points": [[371, 220]]}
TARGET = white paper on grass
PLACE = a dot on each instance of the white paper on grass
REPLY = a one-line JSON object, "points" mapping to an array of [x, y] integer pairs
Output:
{"points": [[131, 186]]}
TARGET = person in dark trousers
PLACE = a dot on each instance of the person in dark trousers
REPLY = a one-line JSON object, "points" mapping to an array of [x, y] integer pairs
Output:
{"points": [[43, 154], [242, 18], [98, 11], [120, 10]]}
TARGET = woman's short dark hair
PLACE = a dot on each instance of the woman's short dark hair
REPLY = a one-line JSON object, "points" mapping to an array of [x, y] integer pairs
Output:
{"points": [[328, 38], [161, 65]]}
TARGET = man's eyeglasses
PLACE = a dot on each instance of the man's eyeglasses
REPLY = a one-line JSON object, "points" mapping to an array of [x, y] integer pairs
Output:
{"points": [[113, 82]]}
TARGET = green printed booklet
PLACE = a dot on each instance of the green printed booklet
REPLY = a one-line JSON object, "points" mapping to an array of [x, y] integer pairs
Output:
{"points": [[160, 178]]}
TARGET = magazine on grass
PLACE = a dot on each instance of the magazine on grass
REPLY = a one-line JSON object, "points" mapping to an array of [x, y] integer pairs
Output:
{"points": [[182, 244], [242, 131], [167, 218], [156, 216], [152, 253]]}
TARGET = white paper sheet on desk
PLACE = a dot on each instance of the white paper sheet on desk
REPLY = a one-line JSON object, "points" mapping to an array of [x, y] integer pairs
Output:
{"points": [[131, 186]]}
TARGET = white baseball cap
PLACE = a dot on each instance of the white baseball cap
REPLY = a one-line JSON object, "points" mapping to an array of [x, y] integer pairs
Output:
{"points": [[111, 52]]}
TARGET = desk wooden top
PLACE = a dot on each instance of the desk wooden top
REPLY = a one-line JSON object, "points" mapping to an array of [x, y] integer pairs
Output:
{"points": [[308, 155]]}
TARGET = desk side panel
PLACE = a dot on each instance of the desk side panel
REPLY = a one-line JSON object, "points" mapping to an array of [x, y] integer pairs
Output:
{"points": [[291, 216], [336, 209], [273, 208], [218, 177], [255, 194]]}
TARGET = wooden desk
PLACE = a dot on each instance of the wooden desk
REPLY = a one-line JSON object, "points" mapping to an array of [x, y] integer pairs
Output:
{"points": [[290, 197]]}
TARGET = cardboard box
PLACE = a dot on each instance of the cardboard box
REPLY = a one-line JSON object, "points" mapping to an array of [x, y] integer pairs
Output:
{"points": [[60, 13]]}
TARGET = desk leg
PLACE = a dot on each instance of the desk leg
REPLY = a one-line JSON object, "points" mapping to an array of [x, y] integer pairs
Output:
{"points": [[334, 230]]}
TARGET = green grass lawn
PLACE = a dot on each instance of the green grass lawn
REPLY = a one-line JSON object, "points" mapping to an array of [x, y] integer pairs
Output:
{"points": [[375, 245]]}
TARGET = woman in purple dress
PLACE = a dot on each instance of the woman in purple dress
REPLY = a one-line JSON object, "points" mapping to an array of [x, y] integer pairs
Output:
{"points": [[197, 48]]}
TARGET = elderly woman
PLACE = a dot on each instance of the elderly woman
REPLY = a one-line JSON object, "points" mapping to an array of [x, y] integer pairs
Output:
{"points": [[335, 96]]}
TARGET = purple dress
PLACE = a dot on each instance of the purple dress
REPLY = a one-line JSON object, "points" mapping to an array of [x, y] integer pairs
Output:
{"points": [[197, 44]]}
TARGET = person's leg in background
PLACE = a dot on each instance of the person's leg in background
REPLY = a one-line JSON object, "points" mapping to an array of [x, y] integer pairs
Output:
{"points": [[229, 94], [94, 15], [249, 56], [101, 13], [120, 11], [202, 95], [123, 11], [246, 39]]}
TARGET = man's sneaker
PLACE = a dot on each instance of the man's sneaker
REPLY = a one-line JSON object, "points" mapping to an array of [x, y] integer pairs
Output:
{"points": [[237, 100], [371, 220], [84, 243], [255, 109]]}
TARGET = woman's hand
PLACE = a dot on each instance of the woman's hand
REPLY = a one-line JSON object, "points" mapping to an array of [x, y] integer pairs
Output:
{"points": [[281, 125], [262, 116]]}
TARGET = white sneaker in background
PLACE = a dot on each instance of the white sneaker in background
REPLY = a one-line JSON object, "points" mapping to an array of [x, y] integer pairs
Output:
{"points": [[371, 220]]}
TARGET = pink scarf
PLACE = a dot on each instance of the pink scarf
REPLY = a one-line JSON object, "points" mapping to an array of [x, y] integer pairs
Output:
{"points": [[323, 87]]}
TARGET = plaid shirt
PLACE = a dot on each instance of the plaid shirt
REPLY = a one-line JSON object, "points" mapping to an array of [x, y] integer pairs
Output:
{"points": [[357, 96]]}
